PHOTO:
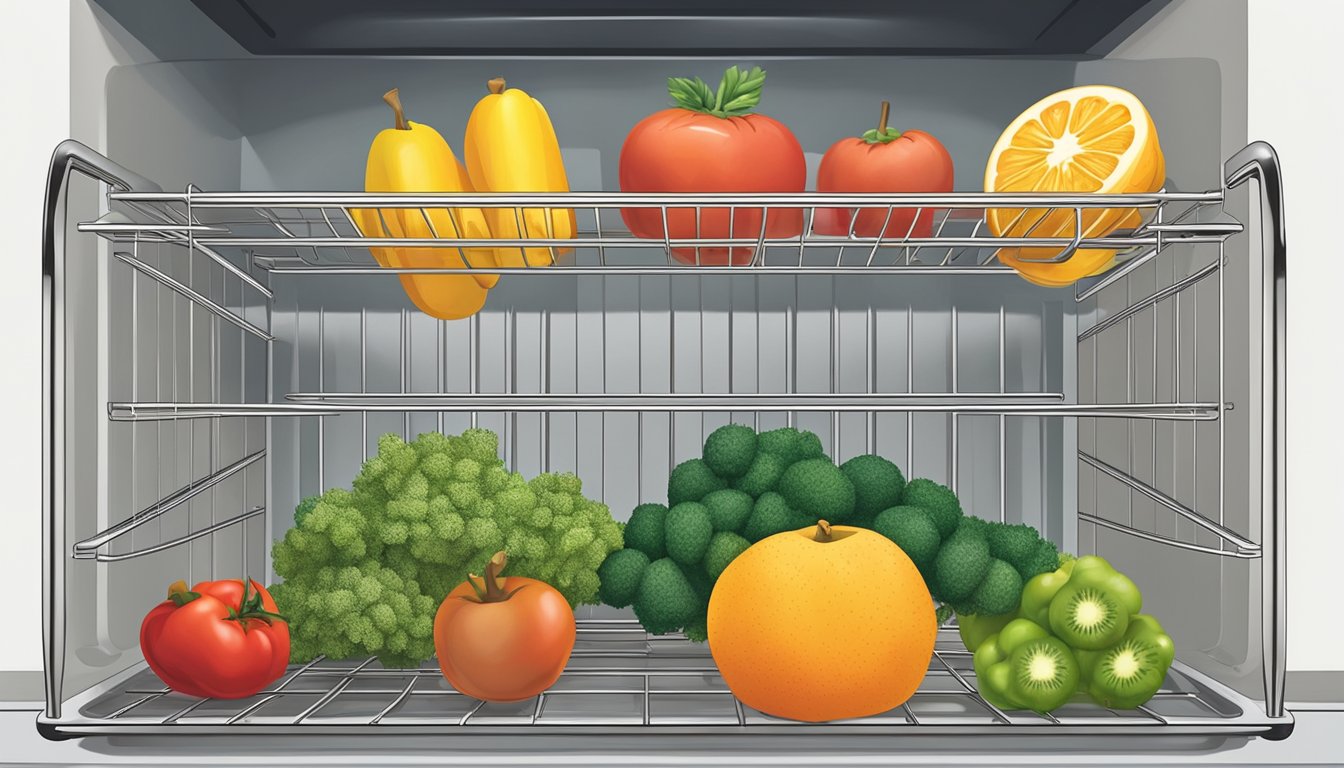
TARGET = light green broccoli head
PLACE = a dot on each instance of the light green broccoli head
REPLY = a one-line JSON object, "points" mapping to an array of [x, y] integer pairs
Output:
{"points": [[364, 571]]}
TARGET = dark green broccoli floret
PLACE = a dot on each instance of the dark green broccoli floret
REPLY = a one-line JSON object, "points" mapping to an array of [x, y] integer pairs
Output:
{"points": [[779, 442], [688, 531], [790, 444], [666, 599], [728, 509], [697, 629], [877, 486], [723, 548], [913, 531], [763, 475], [771, 515], [1047, 557], [691, 481], [1021, 547], [621, 574], [999, 592], [819, 490], [703, 585], [938, 500], [730, 449], [645, 530], [960, 565], [304, 508], [808, 447]]}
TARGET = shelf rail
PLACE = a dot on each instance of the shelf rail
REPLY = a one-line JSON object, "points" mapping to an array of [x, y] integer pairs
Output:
{"points": [[661, 685], [598, 403], [88, 548], [258, 221]]}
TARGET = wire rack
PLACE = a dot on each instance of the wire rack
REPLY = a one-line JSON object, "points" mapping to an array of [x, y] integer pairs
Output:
{"points": [[298, 235], [263, 246], [622, 680], [315, 233]]}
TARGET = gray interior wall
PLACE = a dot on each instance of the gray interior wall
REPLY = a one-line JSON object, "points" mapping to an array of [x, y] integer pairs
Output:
{"points": [[174, 123], [1189, 66]]}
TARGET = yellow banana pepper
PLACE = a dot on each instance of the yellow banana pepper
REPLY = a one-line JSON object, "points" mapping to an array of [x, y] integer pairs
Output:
{"points": [[511, 147], [412, 157]]}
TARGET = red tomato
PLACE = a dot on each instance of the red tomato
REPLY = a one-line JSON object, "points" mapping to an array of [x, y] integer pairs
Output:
{"points": [[219, 640], [700, 147], [883, 160], [508, 641]]}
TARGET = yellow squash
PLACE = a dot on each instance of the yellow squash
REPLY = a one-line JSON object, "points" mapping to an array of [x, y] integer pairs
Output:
{"points": [[410, 158], [511, 147]]}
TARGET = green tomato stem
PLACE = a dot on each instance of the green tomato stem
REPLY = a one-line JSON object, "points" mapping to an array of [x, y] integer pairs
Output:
{"points": [[882, 134]]}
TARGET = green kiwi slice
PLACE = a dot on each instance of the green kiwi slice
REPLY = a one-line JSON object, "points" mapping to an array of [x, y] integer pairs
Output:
{"points": [[1087, 617], [1044, 674], [1127, 675]]}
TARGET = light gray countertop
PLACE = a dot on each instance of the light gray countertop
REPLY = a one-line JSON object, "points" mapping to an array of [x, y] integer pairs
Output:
{"points": [[1318, 739]]}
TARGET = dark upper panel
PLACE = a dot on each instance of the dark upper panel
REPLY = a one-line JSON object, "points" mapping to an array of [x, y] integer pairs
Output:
{"points": [[675, 27]]}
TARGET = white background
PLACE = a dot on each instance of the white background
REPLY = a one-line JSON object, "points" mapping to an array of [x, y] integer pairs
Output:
{"points": [[1294, 104]]}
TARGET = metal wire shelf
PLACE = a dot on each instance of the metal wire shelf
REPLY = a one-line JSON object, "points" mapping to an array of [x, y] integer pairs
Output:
{"points": [[312, 227], [621, 680]]}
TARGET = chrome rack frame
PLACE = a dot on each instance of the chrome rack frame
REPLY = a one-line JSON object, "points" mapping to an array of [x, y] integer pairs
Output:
{"points": [[295, 231]]}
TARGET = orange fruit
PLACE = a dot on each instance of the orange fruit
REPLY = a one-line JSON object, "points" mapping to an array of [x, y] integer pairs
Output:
{"points": [[1093, 138], [822, 630]]}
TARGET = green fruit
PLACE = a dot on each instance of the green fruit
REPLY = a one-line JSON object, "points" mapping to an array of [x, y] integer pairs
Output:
{"points": [[1087, 617], [1127, 675], [1044, 674]]}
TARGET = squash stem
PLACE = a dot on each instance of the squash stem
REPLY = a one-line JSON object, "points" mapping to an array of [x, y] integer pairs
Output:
{"points": [[393, 99]]}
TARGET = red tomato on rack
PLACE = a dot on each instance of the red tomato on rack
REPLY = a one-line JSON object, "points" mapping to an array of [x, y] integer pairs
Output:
{"points": [[712, 143], [221, 639], [883, 160]]}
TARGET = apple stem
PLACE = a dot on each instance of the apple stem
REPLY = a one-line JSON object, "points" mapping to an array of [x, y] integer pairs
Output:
{"points": [[491, 589], [882, 121], [823, 533]]}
